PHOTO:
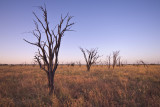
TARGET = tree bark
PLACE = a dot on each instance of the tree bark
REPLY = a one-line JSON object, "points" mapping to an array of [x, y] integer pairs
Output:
{"points": [[48, 76], [51, 82], [88, 68], [109, 64]]}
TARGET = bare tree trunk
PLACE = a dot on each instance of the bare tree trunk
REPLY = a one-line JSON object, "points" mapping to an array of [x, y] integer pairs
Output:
{"points": [[119, 61], [109, 63], [113, 66], [115, 58], [48, 76], [51, 83], [88, 68]]}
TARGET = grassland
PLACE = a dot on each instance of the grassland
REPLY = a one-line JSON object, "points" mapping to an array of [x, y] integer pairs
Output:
{"points": [[75, 87]]}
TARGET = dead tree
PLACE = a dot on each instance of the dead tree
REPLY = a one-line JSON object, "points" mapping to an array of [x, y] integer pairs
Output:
{"points": [[119, 61], [115, 58], [47, 55], [79, 63], [144, 64], [109, 61], [138, 63], [92, 57]]}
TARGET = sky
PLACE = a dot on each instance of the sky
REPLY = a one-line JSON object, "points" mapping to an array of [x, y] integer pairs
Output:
{"points": [[131, 26]]}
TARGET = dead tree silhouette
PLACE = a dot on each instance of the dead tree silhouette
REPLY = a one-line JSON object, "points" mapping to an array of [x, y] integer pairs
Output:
{"points": [[92, 57], [119, 61], [79, 63], [142, 62], [109, 61], [115, 58], [47, 55], [137, 63]]}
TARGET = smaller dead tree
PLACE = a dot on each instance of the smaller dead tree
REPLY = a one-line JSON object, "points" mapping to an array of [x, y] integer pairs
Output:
{"points": [[144, 64], [79, 63], [92, 57], [141, 62], [119, 61], [115, 58], [109, 61], [138, 63]]}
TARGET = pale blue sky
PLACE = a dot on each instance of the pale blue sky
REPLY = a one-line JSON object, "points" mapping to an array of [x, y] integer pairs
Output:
{"points": [[131, 26]]}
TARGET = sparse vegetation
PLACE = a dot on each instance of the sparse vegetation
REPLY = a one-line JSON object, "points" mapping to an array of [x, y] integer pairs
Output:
{"points": [[108, 83], [121, 86]]}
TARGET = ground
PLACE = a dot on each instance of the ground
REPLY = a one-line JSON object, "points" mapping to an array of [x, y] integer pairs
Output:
{"points": [[129, 86]]}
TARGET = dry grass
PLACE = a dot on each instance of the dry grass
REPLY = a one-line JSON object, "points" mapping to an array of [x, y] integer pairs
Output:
{"points": [[75, 87]]}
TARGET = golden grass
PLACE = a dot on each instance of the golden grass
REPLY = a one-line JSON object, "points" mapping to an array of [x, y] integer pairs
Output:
{"points": [[75, 87]]}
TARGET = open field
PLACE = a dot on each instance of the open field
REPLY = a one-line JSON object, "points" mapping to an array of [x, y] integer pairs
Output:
{"points": [[74, 86]]}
